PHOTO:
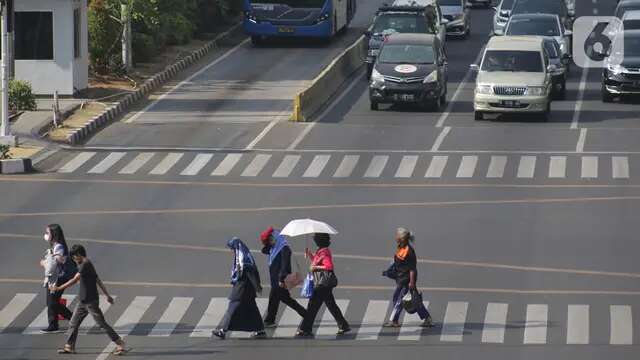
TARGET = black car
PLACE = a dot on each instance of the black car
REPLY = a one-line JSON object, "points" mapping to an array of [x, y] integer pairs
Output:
{"points": [[626, 5], [411, 68], [621, 75], [560, 62], [556, 7]]}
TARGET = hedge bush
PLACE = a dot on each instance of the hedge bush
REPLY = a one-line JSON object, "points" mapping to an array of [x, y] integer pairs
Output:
{"points": [[21, 97], [104, 33]]}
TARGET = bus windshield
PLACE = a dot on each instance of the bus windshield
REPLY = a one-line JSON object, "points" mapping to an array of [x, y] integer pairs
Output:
{"points": [[294, 3], [402, 23]]}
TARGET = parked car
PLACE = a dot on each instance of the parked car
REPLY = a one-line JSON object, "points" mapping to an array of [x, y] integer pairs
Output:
{"points": [[621, 75], [457, 14], [501, 16], [561, 63], [411, 68], [514, 76], [557, 7], [626, 5]]}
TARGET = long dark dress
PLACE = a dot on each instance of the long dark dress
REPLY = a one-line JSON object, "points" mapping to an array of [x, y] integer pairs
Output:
{"points": [[243, 313]]}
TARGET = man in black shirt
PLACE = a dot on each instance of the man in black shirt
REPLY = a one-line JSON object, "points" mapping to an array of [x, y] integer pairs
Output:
{"points": [[88, 302]]}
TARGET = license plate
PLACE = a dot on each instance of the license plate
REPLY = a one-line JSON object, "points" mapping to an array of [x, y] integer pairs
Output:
{"points": [[510, 103], [283, 29], [405, 97]]}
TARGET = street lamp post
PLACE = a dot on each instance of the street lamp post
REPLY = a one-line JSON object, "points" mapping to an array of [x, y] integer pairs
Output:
{"points": [[5, 131]]}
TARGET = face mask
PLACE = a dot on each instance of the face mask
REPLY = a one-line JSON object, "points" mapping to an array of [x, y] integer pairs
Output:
{"points": [[47, 237]]}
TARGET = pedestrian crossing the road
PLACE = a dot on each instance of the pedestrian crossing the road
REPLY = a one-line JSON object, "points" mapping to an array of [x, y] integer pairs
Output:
{"points": [[504, 323], [365, 167]]}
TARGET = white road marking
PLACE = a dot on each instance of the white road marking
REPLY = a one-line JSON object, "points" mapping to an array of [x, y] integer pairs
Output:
{"points": [[107, 163], [136, 164], [407, 166], [443, 134], [557, 167], [317, 165], [436, 167], [455, 318], [411, 330], [327, 328], [582, 138], [257, 164], [535, 331], [264, 132], [89, 322], [186, 81], [41, 321], [578, 106], [226, 165], [495, 322], [128, 321], [166, 164], [171, 316], [376, 166], [578, 324], [527, 167], [589, 167], [14, 308], [211, 318], [262, 307], [288, 324], [497, 166], [467, 166], [621, 325], [286, 166], [76, 162], [620, 167], [346, 167], [199, 162], [373, 319], [301, 136]]}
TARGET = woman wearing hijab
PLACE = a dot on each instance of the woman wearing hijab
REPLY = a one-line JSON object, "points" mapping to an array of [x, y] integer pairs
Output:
{"points": [[58, 269], [279, 259], [322, 261], [242, 313], [405, 262]]}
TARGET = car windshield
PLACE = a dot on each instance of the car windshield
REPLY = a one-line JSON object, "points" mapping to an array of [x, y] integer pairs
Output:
{"points": [[631, 46], [512, 60], [402, 23], [540, 6], [540, 27], [507, 4], [407, 54], [295, 3], [450, 2], [620, 10], [552, 49], [632, 24]]}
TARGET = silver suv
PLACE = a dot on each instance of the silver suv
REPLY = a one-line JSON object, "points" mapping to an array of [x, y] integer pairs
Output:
{"points": [[514, 77]]}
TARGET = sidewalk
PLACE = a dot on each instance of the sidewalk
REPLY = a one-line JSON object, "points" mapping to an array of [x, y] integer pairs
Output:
{"points": [[30, 123]]}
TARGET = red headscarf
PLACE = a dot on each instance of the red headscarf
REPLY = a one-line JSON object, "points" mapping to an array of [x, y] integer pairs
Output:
{"points": [[266, 235]]}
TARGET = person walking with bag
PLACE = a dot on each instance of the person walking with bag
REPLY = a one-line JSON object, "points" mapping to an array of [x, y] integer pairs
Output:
{"points": [[324, 280], [58, 268], [242, 312], [406, 276], [278, 253]]}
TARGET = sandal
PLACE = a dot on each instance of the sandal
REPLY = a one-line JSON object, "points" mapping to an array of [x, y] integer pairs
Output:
{"points": [[66, 350], [121, 351]]}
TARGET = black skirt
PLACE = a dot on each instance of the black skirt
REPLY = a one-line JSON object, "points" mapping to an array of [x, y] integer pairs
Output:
{"points": [[243, 313]]}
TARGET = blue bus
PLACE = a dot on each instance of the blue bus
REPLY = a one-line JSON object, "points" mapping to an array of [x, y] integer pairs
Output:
{"points": [[296, 18]]}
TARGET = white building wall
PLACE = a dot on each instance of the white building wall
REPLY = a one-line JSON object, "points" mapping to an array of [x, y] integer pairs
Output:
{"points": [[81, 64]]}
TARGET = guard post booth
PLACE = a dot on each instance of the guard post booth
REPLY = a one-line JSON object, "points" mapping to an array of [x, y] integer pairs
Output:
{"points": [[50, 46]]}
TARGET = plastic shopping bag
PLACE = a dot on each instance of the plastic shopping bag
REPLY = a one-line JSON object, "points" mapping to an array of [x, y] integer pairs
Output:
{"points": [[412, 301], [307, 287]]}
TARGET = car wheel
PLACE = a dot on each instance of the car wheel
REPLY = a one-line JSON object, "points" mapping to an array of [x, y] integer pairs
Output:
{"points": [[546, 115], [257, 40], [373, 106], [443, 99], [477, 115], [369, 71], [607, 97]]}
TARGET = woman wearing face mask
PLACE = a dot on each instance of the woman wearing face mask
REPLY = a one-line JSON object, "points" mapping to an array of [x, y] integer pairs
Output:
{"points": [[58, 269]]}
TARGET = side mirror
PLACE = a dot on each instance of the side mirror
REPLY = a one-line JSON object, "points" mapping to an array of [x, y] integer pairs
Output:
{"points": [[474, 67], [444, 21], [568, 33], [566, 56], [495, 9], [572, 13], [468, 6], [367, 33]]}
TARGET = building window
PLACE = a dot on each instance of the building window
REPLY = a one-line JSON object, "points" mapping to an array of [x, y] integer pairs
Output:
{"points": [[34, 35], [76, 33]]}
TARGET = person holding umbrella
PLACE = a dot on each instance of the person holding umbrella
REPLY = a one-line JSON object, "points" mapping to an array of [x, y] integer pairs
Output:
{"points": [[242, 313], [278, 253]]}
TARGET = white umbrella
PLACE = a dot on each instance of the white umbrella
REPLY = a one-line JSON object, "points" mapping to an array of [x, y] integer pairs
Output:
{"points": [[307, 226]]}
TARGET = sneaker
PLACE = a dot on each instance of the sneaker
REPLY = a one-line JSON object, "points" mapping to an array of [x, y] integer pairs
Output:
{"points": [[219, 333], [269, 325], [428, 322], [344, 330], [51, 330], [391, 324], [303, 334], [259, 335]]}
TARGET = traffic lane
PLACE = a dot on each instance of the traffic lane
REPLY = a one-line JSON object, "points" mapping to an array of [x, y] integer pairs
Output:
{"points": [[510, 138], [612, 140]]}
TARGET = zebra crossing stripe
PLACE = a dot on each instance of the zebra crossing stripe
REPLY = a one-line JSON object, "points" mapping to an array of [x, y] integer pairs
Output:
{"points": [[107, 163], [589, 167], [288, 324], [467, 166], [558, 167], [347, 166], [262, 307], [257, 164], [41, 321], [496, 167], [373, 319], [327, 328], [15, 307], [407, 166], [578, 324], [198, 163], [317, 165], [211, 318], [455, 318], [166, 164], [535, 331], [171, 316], [89, 323], [620, 167], [226, 165], [621, 325], [377, 165], [411, 329], [286, 166], [76, 162], [495, 321], [136, 164], [526, 167], [436, 167]]}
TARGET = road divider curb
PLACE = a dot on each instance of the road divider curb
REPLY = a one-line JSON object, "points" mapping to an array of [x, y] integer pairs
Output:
{"points": [[117, 109], [15, 166], [310, 100]]}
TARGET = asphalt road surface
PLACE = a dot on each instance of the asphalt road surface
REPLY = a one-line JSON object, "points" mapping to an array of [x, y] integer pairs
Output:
{"points": [[526, 230]]}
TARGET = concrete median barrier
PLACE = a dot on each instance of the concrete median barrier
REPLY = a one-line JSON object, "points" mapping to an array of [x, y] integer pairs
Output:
{"points": [[310, 100]]}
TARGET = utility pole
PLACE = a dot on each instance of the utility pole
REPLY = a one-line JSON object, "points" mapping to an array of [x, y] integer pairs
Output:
{"points": [[5, 131], [125, 18]]}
